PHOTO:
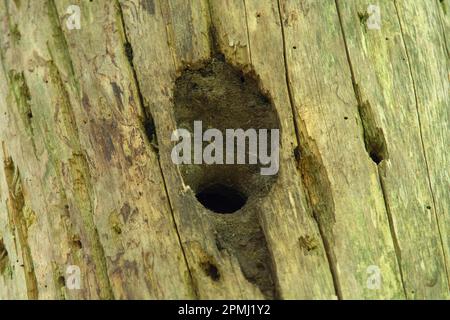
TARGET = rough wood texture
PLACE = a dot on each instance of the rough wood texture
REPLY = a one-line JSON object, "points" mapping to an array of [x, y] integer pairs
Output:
{"points": [[86, 176]]}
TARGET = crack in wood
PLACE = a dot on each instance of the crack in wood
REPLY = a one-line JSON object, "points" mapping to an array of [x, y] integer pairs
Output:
{"points": [[16, 206], [314, 178], [150, 128]]}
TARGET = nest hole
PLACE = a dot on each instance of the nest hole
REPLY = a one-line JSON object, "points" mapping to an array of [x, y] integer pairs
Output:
{"points": [[221, 97], [221, 198]]}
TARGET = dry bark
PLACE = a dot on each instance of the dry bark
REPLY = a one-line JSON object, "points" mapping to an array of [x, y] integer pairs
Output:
{"points": [[86, 176]]}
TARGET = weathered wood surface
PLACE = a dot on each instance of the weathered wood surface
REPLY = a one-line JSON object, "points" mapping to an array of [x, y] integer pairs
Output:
{"points": [[364, 176]]}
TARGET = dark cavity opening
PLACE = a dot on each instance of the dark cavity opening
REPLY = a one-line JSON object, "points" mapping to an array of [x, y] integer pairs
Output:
{"points": [[211, 271], [61, 281], [376, 157], [221, 198]]}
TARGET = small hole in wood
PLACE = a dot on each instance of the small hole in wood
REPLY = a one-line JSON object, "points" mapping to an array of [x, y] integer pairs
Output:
{"points": [[76, 243], [61, 281], [376, 157], [221, 198], [211, 271]]}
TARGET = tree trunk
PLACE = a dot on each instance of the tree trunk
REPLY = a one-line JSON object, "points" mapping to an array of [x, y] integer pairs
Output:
{"points": [[360, 206]]}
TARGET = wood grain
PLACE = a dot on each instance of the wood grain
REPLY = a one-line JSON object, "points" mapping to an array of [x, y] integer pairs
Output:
{"points": [[87, 180]]}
